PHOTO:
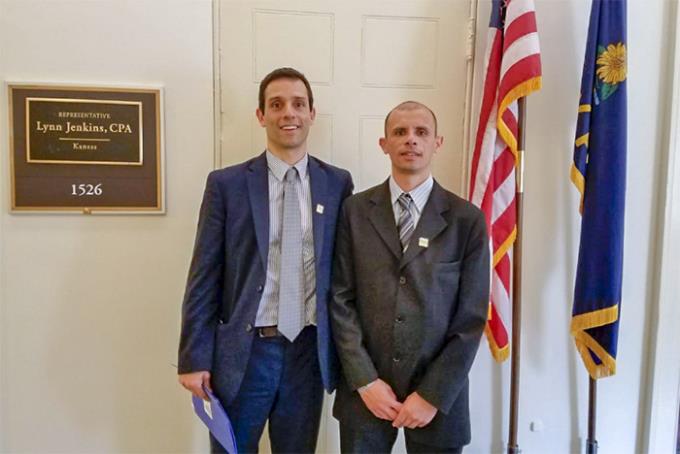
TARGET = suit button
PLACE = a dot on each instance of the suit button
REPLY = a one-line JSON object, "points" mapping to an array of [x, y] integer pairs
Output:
{"points": [[260, 288], [399, 319], [249, 328], [402, 280], [396, 359], [220, 321]]}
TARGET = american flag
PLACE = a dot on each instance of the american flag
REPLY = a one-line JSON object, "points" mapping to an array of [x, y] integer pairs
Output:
{"points": [[513, 70]]}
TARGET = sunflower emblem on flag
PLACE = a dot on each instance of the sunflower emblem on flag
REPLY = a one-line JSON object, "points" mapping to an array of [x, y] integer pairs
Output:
{"points": [[611, 70]]}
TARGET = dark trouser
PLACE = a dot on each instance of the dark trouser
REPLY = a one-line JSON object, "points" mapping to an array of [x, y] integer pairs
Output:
{"points": [[373, 441], [282, 384]]}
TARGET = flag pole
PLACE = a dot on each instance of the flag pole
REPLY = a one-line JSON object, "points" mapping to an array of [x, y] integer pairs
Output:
{"points": [[591, 443], [513, 446]]}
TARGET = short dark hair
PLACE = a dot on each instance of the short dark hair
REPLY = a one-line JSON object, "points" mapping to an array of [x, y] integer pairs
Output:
{"points": [[284, 73], [411, 105]]}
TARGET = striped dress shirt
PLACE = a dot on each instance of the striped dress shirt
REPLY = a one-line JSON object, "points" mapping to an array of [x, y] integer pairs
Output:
{"points": [[268, 310]]}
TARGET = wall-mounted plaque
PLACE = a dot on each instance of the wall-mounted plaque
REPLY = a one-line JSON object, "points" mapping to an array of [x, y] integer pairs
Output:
{"points": [[86, 149]]}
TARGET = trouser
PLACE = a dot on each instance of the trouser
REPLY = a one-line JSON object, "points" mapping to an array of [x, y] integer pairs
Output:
{"points": [[282, 385], [374, 441]]}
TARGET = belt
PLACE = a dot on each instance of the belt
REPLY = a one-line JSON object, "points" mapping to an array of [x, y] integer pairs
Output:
{"points": [[267, 331]]}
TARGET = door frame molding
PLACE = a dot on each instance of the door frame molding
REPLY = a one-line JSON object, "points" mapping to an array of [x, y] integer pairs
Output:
{"points": [[217, 86], [663, 395]]}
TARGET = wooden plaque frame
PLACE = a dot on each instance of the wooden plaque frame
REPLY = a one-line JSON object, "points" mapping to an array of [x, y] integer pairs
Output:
{"points": [[86, 149]]}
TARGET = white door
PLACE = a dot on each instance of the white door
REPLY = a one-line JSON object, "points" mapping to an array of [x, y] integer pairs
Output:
{"points": [[362, 58]]}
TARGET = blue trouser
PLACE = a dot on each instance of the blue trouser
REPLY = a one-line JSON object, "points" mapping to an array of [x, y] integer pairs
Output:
{"points": [[282, 384]]}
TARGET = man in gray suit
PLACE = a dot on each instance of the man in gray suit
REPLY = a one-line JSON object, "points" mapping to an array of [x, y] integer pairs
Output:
{"points": [[410, 300]]}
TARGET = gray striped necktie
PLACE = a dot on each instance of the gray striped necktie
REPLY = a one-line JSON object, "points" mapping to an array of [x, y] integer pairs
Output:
{"points": [[291, 307], [405, 225]]}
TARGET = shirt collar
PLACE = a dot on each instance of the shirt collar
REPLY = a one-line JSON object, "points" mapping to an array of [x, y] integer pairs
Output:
{"points": [[419, 194], [279, 167]]}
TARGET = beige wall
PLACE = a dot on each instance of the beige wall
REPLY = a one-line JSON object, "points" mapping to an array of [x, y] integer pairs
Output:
{"points": [[90, 305]]}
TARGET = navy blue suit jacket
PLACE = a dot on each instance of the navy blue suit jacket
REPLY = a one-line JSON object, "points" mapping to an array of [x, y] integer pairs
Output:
{"points": [[228, 270]]}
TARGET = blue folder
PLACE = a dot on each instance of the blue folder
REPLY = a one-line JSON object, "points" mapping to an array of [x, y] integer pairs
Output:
{"points": [[215, 418]]}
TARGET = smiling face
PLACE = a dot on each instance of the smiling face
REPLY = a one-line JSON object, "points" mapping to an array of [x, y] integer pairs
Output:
{"points": [[410, 140], [287, 116]]}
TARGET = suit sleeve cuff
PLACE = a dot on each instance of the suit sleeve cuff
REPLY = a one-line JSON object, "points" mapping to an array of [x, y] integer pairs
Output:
{"points": [[365, 387], [437, 399], [358, 379]]}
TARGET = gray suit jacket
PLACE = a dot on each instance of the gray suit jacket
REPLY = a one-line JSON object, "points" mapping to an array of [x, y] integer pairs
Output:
{"points": [[413, 319]]}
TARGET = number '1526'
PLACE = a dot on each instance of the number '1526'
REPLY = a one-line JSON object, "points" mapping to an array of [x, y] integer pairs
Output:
{"points": [[86, 189]]}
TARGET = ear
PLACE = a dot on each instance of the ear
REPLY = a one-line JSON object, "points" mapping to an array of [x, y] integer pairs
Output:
{"points": [[438, 142], [382, 141], [312, 114], [260, 116]]}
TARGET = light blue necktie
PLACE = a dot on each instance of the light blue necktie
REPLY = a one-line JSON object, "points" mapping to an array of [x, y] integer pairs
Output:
{"points": [[291, 307]]}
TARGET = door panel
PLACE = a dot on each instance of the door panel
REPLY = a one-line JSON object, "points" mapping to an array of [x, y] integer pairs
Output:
{"points": [[362, 58]]}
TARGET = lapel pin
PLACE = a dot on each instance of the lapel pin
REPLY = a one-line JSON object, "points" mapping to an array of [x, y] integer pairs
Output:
{"points": [[319, 208], [423, 242]]}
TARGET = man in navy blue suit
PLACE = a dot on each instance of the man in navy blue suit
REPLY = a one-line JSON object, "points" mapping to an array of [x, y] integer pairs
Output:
{"points": [[255, 326]]}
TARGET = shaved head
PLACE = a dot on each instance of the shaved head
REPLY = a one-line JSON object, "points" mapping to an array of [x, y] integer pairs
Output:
{"points": [[411, 105]]}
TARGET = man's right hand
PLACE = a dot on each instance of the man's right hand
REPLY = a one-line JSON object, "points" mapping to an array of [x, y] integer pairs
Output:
{"points": [[195, 381], [381, 400]]}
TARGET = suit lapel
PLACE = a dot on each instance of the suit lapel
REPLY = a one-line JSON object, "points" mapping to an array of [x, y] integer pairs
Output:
{"points": [[258, 193], [317, 184], [382, 218], [431, 224]]}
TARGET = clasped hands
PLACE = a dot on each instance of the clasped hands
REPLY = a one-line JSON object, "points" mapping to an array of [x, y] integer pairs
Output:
{"points": [[382, 402]]}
